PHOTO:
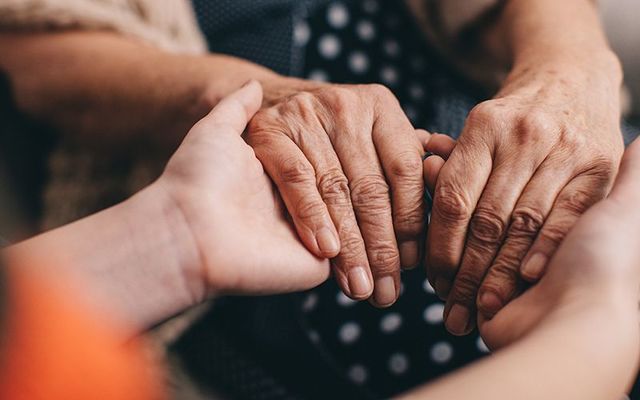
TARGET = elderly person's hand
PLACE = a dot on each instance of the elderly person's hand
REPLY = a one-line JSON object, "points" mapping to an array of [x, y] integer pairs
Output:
{"points": [[597, 266], [347, 163], [527, 165]]}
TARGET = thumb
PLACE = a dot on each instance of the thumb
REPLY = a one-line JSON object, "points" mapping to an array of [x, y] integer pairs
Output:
{"points": [[235, 110]]}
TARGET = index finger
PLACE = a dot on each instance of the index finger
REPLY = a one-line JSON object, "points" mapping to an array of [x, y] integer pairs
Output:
{"points": [[458, 189]]}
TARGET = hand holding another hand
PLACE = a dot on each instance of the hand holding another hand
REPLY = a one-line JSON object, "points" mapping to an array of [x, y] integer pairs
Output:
{"points": [[240, 239]]}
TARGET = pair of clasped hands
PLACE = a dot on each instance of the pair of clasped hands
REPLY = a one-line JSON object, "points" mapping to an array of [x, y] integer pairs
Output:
{"points": [[242, 240]]}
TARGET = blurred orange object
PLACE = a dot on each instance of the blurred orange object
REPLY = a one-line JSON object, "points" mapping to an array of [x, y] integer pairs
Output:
{"points": [[50, 348]]}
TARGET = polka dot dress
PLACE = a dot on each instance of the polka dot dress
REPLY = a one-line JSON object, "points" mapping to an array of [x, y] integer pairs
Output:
{"points": [[385, 351]]}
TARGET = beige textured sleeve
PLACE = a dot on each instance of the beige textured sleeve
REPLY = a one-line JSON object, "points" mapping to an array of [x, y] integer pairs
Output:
{"points": [[167, 24]]}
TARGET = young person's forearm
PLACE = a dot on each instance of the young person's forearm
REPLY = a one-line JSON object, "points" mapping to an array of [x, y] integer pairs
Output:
{"points": [[104, 86], [582, 354], [131, 263]]}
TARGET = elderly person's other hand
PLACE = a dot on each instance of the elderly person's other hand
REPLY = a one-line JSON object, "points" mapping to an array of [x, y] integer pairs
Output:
{"points": [[597, 265], [347, 163], [528, 163]]}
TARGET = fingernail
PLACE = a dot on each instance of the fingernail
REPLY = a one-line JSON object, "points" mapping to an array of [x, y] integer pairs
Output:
{"points": [[457, 320], [534, 267], [442, 288], [384, 293], [327, 242], [359, 283], [409, 254], [490, 303]]}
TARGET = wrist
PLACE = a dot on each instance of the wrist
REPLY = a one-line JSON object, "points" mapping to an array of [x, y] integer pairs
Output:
{"points": [[164, 236]]}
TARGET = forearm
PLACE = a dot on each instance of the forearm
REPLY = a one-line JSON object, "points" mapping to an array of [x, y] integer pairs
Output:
{"points": [[104, 86], [532, 34], [128, 262], [555, 361]]}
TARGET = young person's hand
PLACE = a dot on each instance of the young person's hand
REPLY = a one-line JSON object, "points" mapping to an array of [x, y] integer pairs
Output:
{"points": [[240, 237], [597, 267]]}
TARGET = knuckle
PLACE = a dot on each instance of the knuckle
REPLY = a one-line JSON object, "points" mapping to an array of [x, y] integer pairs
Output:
{"points": [[486, 227], [576, 202], [307, 209], [409, 223], [555, 233], [339, 99], [351, 246], [465, 287], [334, 187], [407, 165], [535, 125], [450, 203], [484, 115], [503, 272], [526, 222], [384, 258], [379, 91], [371, 192], [295, 171], [572, 140]]}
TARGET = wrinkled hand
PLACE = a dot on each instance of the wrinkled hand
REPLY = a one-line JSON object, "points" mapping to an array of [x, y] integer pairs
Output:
{"points": [[597, 266], [526, 166], [241, 238], [347, 163]]}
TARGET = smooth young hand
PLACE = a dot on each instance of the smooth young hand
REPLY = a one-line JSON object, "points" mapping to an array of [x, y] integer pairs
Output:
{"points": [[241, 240]]}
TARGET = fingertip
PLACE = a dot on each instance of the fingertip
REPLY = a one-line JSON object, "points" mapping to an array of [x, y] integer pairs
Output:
{"points": [[431, 169], [441, 145]]}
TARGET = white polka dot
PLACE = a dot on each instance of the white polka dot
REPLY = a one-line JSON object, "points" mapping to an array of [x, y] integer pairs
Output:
{"points": [[318, 75], [366, 30], [313, 336], [301, 33], [441, 352], [390, 323], [480, 344], [433, 314], [344, 301], [416, 91], [358, 62], [337, 15], [389, 75], [427, 287], [391, 48], [349, 332], [310, 302], [398, 363], [329, 46], [358, 374], [371, 6]]}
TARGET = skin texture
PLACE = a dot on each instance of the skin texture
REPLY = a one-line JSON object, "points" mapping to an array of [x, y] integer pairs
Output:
{"points": [[348, 165], [547, 334], [211, 224], [528, 163], [148, 258], [556, 115]]}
